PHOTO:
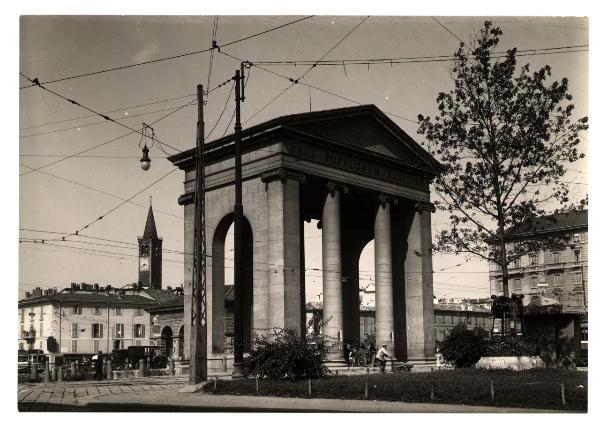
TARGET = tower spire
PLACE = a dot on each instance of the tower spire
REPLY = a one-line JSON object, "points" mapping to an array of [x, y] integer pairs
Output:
{"points": [[150, 229]]}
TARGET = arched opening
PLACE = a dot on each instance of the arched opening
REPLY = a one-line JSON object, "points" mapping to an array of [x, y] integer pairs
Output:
{"points": [[366, 278], [222, 285], [166, 341], [180, 343]]}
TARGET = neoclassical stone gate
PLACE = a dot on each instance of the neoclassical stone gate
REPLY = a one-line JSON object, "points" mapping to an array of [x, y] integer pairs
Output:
{"points": [[357, 173]]}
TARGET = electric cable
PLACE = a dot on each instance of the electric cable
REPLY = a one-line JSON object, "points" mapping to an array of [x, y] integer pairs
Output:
{"points": [[169, 57], [303, 75]]}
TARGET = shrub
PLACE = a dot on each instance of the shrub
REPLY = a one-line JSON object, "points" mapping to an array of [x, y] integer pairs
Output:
{"points": [[463, 347], [509, 346], [282, 354]]}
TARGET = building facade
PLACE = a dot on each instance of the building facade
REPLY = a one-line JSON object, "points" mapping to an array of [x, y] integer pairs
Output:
{"points": [[561, 275], [84, 318]]}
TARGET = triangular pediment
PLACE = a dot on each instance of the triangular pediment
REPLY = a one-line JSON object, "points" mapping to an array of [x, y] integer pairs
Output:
{"points": [[364, 128]]}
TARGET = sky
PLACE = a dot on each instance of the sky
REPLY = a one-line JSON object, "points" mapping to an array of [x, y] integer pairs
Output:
{"points": [[62, 199]]}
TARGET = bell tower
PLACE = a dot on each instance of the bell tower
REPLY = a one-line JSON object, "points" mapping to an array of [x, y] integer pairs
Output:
{"points": [[150, 255]]}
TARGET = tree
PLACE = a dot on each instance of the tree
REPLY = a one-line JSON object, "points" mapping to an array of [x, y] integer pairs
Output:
{"points": [[503, 138], [463, 347]]}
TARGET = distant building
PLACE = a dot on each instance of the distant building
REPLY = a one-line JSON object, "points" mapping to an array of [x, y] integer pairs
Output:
{"points": [[446, 316], [561, 275], [84, 318]]}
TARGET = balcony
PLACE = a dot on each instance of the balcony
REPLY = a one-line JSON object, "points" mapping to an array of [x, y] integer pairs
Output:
{"points": [[29, 335]]}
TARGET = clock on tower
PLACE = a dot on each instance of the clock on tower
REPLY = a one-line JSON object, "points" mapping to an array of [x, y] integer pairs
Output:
{"points": [[150, 255]]}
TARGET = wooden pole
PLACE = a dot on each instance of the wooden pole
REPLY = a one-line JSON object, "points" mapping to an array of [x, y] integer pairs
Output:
{"points": [[309, 387], [492, 389], [562, 394]]}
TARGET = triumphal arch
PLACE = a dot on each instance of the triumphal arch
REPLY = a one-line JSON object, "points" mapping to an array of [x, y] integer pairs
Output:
{"points": [[362, 178]]}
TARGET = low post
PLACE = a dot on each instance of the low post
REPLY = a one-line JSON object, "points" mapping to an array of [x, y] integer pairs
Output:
{"points": [[224, 362], [54, 374], [367, 387], [492, 389], [109, 370], [126, 367], [142, 368], [216, 380], [60, 374], [562, 394], [309, 387], [432, 395], [34, 374], [256, 385], [46, 372], [148, 366], [171, 366], [76, 369]]}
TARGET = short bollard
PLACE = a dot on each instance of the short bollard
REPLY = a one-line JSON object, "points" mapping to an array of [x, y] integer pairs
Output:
{"points": [[73, 370], [432, 395], [126, 364], [60, 374], [142, 368], [256, 384], [224, 362], [562, 394], [309, 387], [216, 380], [46, 372], [171, 366], [367, 388], [76, 369], [54, 374], [492, 389], [109, 371], [34, 372]]}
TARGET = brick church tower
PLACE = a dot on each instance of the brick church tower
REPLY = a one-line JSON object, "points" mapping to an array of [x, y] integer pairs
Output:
{"points": [[150, 255]]}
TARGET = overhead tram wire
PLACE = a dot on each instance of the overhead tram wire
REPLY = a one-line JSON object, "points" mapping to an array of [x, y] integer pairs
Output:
{"points": [[121, 204], [109, 112], [119, 137], [171, 57], [252, 64], [297, 80], [419, 59], [220, 115], [212, 52], [106, 117], [99, 191]]}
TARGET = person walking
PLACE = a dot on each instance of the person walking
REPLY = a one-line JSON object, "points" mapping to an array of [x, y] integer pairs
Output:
{"points": [[381, 354], [97, 359]]}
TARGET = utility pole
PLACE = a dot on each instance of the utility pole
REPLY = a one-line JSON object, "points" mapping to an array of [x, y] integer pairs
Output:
{"points": [[238, 271], [198, 357]]}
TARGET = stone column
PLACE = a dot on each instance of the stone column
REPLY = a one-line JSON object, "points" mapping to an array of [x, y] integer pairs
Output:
{"points": [[419, 287], [384, 300], [284, 276], [332, 270]]}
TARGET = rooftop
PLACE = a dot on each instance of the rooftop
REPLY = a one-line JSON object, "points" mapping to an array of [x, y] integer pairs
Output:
{"points": [[551, 224]]}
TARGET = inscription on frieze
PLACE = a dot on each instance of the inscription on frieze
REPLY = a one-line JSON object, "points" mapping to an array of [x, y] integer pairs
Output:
{"points": [[354, 165]]}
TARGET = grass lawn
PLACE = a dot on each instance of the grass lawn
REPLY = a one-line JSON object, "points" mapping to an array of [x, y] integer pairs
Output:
{"points": [[537, 388]]}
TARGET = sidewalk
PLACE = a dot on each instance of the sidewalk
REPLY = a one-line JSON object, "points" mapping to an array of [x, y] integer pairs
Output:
{"points": [[162, 394]]}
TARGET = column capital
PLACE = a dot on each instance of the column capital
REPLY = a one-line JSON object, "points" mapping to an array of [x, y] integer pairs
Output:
{"points": [[384, 199], [424, 206], [281, 175], [332, 187]]}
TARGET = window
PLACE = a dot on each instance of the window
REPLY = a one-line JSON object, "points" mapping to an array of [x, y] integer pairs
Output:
{"points": [[21, 346], [534, 281], [118, 344], [556, 280], [22, 312], [76, 309], [97, 310], [139, 330], [73, 345], [41, 329], [556, 257], [118, 310], [138, 312], [517, 262], [138, 343], [74, 330], [499, 286], [31, 314], [578, 278], [41, 344], [533, 259], [97, 330], [576, 238], [96, 345], [577, 255], [517, 284], [120, 330]]}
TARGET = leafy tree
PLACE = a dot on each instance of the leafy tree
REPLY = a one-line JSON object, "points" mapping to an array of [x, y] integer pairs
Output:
{"points": [[463, 347], [503, 138]]}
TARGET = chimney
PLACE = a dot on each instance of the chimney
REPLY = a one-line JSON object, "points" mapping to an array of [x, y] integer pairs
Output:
{"points": [[27, 294]]}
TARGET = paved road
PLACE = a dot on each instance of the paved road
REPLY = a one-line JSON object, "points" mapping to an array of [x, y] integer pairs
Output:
{"points": [[162, 394]]}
